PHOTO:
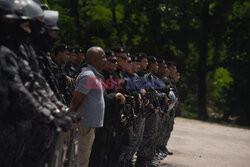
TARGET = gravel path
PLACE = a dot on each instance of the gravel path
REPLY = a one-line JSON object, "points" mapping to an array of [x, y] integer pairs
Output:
{"points": [[199, 144]]}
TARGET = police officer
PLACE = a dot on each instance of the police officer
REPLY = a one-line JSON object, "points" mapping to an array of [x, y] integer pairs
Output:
{"points": [[70, 68], [27, 53], [42, 43], [136, 129], [61, 55], [143, 61], [80, 59], [71, 71], [167, 88], [147, 148], [119, 137], [174, 78], [23, 106]]}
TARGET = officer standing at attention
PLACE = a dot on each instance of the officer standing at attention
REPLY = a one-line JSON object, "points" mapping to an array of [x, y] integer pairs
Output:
{"points": [[174, 78], [143, 59], [147, 148], [23, 105], [61, 55]]}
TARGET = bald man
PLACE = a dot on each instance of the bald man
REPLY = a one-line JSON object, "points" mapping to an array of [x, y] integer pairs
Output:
{"points": [[88, 100]]}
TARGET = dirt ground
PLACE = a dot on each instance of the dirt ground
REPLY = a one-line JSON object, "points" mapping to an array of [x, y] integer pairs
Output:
{"points": [[199, 144]]}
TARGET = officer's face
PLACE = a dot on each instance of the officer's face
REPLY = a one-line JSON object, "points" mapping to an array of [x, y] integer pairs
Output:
{"points": [[163, 69], [167, 71], [111, 64], [25, 27], [172, 70], [176, 77], [80, 57], [155, 67], [128, 64], [73, 58], [65, 56], [144, 64], [135, 66], [122, 60]]}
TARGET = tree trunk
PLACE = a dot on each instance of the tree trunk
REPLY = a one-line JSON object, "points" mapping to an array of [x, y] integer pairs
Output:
{"points": [[116, 24], [202, 66], [75, 5]]}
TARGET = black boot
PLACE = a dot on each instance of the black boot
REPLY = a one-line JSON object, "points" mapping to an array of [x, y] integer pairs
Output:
{"points": [[169, 152], [152, 163]]}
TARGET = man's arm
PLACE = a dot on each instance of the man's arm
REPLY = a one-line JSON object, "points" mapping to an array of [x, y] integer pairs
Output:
{"points": [[76, 100]]}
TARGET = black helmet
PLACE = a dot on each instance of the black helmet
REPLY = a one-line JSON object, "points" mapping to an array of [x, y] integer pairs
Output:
{"points": [[109, 53], [152, 59], [50, 19], [119, 49], [20, 9], [134, 58], [141, 55]]}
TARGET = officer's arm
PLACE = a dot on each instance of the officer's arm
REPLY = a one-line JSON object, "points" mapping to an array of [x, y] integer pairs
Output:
{"points": [[76, 100], [27, 106]]}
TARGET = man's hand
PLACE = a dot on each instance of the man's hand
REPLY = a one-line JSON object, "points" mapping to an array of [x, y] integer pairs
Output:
{"points": [[157, 110], [69, 80], [76, 101], [140, 101], [61, 122], [120, 97], [143, 92]]}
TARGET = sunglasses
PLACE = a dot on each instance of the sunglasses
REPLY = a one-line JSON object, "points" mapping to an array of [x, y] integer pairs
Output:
{"points": [[129, 61], [123, 58], [112, 61]]}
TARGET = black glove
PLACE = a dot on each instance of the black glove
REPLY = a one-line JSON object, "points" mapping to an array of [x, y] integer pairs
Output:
{"points": [[61, 122], [76, 118]]}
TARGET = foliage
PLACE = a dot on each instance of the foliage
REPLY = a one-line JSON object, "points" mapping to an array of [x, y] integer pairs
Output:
{"points": [[173, 30]]}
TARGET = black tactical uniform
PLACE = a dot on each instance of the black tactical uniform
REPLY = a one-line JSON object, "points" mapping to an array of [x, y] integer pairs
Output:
{"points": [[120, 136], [16, 124], [61, 77], [163, 130], [71, 72], [42, 44], [70, 68], [147, 148], [41, 133], [171, 116], [23, 105], [3, 94], [136, 121]]}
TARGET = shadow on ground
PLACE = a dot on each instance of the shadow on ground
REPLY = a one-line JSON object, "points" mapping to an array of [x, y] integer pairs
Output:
{"points": [[171, 165]]}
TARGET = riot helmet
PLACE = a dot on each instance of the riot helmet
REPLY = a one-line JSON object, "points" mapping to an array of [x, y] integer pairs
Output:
{"points": [[46, 38], [50, 19], [14, 16], [20, 9], [30, 9], [7, 10]]}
